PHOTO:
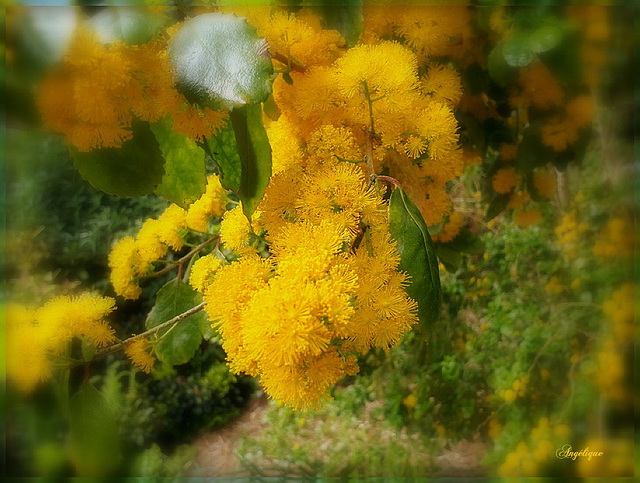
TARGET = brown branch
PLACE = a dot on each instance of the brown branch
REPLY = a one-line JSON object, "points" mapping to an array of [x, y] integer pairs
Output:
{"points": [[391, 180], [180, 261]]}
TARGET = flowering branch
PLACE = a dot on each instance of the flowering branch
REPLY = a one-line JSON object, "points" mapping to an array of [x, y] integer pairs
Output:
{"points": [[143, 335], [183, 259]]}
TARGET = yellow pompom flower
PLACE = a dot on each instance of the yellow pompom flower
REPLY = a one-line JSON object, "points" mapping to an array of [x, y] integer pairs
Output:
{"points": [[171, 223], [236, 231], [518, 199], [540, 86], [528, 217], [545, 183], [202, 271], [505, 180], [212, 203], [138, 350], [443, 84], [127, 266], [450, 229]]}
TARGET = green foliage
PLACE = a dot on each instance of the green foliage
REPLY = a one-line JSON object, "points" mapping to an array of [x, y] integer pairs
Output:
{"points": [[208, 54], [93, 434], [255, 154], [223, 149], [73, 225], [135, 169], [418, 258], [178, 344], [130, 25], [184, 179], [174, 407]]}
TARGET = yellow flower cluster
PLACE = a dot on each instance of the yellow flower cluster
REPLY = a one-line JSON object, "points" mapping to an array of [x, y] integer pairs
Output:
{"points": [[617, 459], [539, 87], [569, 233], [96, 111], [529, 457], [516, 390], [505, 180], [138, 350], [131, 258], [451, 228], [36, 337], [527, 217], [329, 290], [616, 239], [298, 37], [373, 91], [620, 311], [545, 183], [562, 131], [432, 31]]}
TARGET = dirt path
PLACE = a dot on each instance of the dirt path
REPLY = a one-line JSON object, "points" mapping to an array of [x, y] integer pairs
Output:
{"points": [[216, 451]]}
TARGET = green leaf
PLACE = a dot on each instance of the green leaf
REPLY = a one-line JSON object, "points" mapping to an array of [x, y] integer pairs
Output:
{"points": [[223, 149], [517, 50], [345, 16], [466, 242], [417, 256], [179, 346], [185, 176], [499, 70], [497, 205], [220, 57], [255, 154], [130, 25], [94, 444], [135, 169], [450, 258], [546, 37]]}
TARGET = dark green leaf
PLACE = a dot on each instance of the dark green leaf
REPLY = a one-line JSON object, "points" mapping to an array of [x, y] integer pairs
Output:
{"points": [[497, 205], [450, 258], [185, 177], [135, 169], [130, 25], [255, 154], [417, 256], [223, 149], [345, 16], [466, 242], [220, 57], [179, 346], [94, 445], [499, 70]]}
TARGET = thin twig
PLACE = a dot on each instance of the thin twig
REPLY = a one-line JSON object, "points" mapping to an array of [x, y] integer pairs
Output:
{"points": [[116, 347], [391, 180], [184, 258]]}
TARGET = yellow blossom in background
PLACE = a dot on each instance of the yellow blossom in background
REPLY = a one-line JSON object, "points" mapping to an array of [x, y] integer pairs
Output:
{"points": [[616, 238], [540, 87], [235, 229], [138, 350], [518, 200], [620, 311], [553, 286], [505, 180], [569, 233], [450, 229], [528, 217], [410, 401], [545, 183], [612, 372], [508, 152], [34, 337]]}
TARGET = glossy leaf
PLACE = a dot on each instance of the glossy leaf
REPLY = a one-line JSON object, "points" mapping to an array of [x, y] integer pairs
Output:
{"points": [[135, 169], [418, 257], [185, 177], [223, 149], [220, 57], [93, 445], [255, 154], [179, 346], [132, 25], [500, 71]]}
